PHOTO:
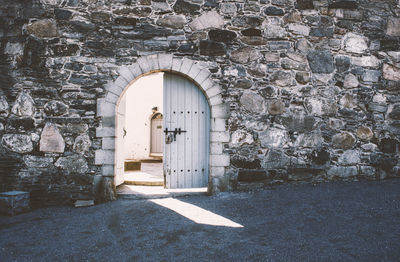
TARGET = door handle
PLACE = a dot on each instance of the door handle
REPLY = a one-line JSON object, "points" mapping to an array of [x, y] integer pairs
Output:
{"points": [[169, 138]]}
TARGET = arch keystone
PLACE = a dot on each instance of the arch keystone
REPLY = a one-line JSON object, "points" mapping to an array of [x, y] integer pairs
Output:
{"points": [[153, 62], [165, 61]]}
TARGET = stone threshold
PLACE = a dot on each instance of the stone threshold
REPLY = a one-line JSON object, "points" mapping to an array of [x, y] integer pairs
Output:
{"points": [[144, 183], [153, 192]]}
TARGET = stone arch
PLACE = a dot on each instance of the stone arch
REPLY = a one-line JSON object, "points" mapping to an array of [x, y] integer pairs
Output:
{"points": [[198, 74]]}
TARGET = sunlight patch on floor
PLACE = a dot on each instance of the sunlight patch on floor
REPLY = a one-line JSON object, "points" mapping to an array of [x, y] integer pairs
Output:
{"points": [[195, 213]]}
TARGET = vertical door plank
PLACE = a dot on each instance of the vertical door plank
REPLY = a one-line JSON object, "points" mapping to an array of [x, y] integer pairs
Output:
{"points": [[173, 85], [181, 124], [195, 138], [188, 135]]}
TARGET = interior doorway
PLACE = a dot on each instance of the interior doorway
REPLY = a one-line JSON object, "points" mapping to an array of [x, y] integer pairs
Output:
{"points": [[162, 133], [156, 135]]}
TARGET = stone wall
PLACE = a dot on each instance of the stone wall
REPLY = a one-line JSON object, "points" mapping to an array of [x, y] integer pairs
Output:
{"points": [[313, 86]]}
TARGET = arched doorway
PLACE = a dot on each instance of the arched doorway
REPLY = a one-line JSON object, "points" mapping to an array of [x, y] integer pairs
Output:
{"points": [[106, 157]]}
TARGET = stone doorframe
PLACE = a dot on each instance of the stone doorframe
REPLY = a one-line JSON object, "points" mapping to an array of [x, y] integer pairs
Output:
{"points": [[198, 74]]}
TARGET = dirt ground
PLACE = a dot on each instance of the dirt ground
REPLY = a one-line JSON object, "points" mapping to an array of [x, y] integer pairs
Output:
{"points": [[326, 222]]}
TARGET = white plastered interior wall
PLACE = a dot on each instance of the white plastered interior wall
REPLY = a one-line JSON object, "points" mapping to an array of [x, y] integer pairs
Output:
{"points": [[143, 95]]}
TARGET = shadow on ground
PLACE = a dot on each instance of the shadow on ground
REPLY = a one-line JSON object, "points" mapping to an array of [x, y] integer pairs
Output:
{"points": [[327, 222]]}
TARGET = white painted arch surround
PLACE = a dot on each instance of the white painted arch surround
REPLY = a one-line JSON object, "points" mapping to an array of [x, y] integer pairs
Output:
{"points": [[198, 74]]}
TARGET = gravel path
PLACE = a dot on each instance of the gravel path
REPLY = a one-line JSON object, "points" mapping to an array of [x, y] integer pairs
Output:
{"points": [[327, 222]]}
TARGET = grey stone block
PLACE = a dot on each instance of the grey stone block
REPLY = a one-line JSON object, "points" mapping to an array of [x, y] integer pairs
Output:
{"points": [[14, 202]]}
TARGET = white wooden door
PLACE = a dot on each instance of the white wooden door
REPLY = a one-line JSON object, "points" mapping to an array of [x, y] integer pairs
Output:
{"points": [[120, 137], [185, 154], [156, 144]]}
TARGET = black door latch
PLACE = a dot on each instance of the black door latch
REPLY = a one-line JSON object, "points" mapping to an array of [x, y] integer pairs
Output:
{"points": [[175, 132]]}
